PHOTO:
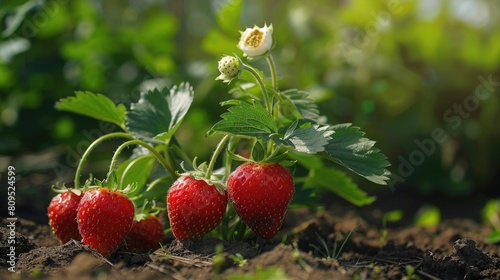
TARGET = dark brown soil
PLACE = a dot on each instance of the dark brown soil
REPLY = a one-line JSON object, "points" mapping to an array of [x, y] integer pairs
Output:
{"points": [[455, 249]]}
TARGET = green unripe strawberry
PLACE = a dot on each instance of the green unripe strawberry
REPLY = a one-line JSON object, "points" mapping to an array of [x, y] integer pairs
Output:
{"points": [[229, 68]]}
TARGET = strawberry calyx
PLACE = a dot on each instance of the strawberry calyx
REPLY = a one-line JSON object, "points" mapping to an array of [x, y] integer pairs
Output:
{"points": [[199, 172], [141, 216], [258, 156], [148, 208], [61, 188], [110, 183]]}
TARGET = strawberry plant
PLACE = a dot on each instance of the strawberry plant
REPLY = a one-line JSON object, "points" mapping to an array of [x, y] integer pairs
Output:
{"points": [[283, 131]]}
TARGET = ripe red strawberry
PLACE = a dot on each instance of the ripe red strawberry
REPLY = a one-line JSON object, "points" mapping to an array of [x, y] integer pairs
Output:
{"points": [[260, 193], [104, 219], [194, 207], [62, 216], [146, 234]]}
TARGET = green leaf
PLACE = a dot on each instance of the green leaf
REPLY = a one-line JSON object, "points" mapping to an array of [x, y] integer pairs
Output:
{"points": [[157, 190], [135, 170], [338, 182], [307, 138], [159, 112], [299, 104], [349, 148], [308, 161], [245, 119], [217, 43], [228, 14], [305, 197], [93, 105], [258, 151], [236, 157]]}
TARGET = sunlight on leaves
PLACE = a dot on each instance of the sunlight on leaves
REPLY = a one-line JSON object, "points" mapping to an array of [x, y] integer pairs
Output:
{"points": [[246, 119], [350, 149], [303, 103], [159, 112], [309, 139], [93, 105], [338, 182]]}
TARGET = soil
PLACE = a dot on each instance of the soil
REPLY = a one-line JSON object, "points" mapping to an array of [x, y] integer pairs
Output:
{"points": [[454, 249]]}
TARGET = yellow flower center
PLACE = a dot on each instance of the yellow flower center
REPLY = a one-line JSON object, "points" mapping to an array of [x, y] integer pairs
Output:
{"points": [[255, 39]]}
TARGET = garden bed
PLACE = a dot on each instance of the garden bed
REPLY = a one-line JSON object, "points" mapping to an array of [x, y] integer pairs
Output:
{"points": [[455, 249]]}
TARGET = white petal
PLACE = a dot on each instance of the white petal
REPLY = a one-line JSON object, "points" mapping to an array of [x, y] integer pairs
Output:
{"points": [[256, 41]]}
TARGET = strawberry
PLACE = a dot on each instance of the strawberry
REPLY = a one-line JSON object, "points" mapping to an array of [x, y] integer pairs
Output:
{"points": [[104, 219], [62, 216], [146, 234], [260, 193], [194, 207], [229, 67]]}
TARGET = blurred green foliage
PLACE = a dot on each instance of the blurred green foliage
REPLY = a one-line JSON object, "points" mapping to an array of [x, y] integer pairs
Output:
{"points": [[428, 216], [396, 68], [491, 216]]}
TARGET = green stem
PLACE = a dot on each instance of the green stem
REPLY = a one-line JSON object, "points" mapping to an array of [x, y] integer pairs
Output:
{"points": [[272, 67], [180, 153], [217, 151], [270, 149], [91, 148], [240, 227], [298, 180], [175, 149], [147, 146], [231, 146], [170, 158], [261, 85]]}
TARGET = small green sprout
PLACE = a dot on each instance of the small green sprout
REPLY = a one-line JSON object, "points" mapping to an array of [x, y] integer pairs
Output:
{"points": [[328, 250], [239, 259], [393, 216]]}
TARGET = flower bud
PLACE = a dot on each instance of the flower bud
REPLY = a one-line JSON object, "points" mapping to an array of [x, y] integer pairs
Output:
{"points": [[256, 41], [229, 67]]}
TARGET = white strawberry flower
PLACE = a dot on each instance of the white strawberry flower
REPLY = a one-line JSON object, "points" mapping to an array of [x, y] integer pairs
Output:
{"points": [[229, 68], [256, 41]]}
